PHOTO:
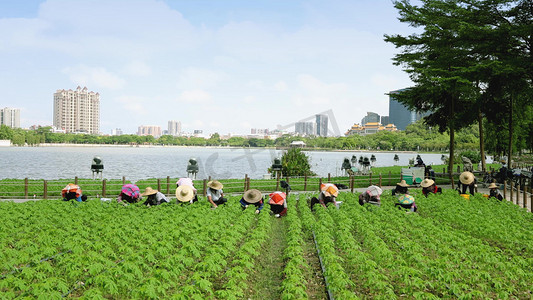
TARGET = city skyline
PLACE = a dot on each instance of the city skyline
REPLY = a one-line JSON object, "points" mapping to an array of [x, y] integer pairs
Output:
{"points": [[225, 67]]}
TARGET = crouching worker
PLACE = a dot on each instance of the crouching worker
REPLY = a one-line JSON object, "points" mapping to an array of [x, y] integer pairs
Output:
{"points": [[406, 202], [129, 193], [215, 194], [429, 186], [252, 197], [154, 197], [278, 204], [401, 188], [328, 194], [371, 195], [468, 180], [495, 192], [188, 182], [185, 194], [73, 191]]}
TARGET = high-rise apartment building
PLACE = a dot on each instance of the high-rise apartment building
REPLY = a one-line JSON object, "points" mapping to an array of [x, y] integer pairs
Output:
{"points": [[400, 115], [77, 110], [152, 130], [304, 128], [10, 117], [174, 128], [371, 117], [321, 125]]}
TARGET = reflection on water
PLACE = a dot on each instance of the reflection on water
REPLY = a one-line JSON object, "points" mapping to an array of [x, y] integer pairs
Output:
{"points": [[159, 162]]}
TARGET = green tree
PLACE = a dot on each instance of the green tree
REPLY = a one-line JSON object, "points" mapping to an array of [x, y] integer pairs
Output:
{"points": [[295, 163], [6, 133]]}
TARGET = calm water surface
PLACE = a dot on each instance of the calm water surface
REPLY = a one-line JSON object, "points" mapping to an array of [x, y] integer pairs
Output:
{"points": [[159, 162]]}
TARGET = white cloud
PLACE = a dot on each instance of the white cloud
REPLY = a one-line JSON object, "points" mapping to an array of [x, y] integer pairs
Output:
{"points": [[137, 68], [133, 104], [195, 96], [94, 77], [312, 90], [198, 78], [281, 86]]}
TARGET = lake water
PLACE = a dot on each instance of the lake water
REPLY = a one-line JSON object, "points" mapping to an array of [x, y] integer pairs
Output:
{"points": [[159, 162]]}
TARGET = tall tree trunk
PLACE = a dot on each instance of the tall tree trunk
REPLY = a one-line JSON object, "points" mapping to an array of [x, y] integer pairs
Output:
{"points": [[452, 139], [510, 146], [481, 141]]}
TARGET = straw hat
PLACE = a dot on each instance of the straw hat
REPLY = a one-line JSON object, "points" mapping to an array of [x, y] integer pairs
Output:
{"points": [[493, 186], [329, 190], [184, 193], [215, 184], [466, 178], [149, 191], [427, 182], [252, 196], [402, 183], [277, 198]]}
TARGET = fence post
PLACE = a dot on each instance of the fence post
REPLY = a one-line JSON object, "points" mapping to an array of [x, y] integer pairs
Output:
{"points": [[305, 182], [123, 180], [104, 184], [205, 187], [379, 179], [248, 183], [45, 192], [518, 193], [26, 188], [512, 186], [458, 169], [525, 197], [370, 178], [277, 181], [76, 180], [158, 184], [505, 190], [245, 181], [319, 184], [168, 185], [287, 190], [329, 177], [390, 177], [209, 178], [351, 183]]}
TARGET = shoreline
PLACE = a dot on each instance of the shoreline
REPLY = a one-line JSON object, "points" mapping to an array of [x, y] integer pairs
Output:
{"points": [[50, 145]]}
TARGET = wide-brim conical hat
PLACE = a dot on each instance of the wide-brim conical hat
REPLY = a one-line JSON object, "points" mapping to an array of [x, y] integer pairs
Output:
{"points": [[184, 193], [466, 178], [493, 186], [149, 191], [215, 184], [403, 183], [252, 196], [427, 182]]}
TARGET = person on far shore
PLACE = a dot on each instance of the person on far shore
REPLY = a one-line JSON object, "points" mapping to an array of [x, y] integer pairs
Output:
{"points": [[215, 194], [401, 188], [495, 192], [154, 197], [188, 182], [328, 194], [371, 195], [468, 180], [278, 204], [73, 192], [252, 197], [429, 186]]}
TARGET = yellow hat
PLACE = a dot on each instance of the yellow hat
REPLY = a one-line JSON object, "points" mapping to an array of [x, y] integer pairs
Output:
{"points": [[466, 177], [427, 182], [252, 196], [184, 193], [215, 184], [149, 191]]}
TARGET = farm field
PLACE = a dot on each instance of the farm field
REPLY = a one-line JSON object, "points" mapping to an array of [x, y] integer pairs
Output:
{"points": [[451, 249]]}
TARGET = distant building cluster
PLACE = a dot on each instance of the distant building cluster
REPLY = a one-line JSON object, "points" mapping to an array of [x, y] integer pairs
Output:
{"points": [[77, 111], [260, 131], [152, 130], [10, 117], [317, 128], [399, 118]]}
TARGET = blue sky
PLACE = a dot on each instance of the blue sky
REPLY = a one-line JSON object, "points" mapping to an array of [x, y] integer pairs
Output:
{"points": [[218, 66]]}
